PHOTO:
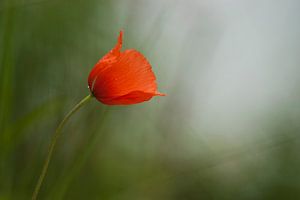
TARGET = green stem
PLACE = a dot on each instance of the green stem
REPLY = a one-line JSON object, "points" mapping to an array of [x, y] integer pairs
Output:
{"points": [[53, 142]]}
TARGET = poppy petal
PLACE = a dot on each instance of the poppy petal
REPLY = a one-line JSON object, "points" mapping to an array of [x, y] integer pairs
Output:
{"points": [[131, 72], [130, 98], [106, 61], [115, 52]]}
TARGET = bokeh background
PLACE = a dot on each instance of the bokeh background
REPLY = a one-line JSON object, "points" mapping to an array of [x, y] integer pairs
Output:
{"points": [[227, 129]]}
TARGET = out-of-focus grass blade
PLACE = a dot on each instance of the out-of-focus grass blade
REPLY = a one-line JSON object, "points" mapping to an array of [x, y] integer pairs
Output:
{"points": [[6, 93], [7, 68], [17, 132], [42, 112]]}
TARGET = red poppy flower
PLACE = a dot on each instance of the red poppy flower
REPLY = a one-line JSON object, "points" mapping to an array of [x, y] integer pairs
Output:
{"points": [[123, 78]]}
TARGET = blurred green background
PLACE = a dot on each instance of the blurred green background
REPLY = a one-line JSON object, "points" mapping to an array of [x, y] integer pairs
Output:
{"points": [[228, 129]]}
